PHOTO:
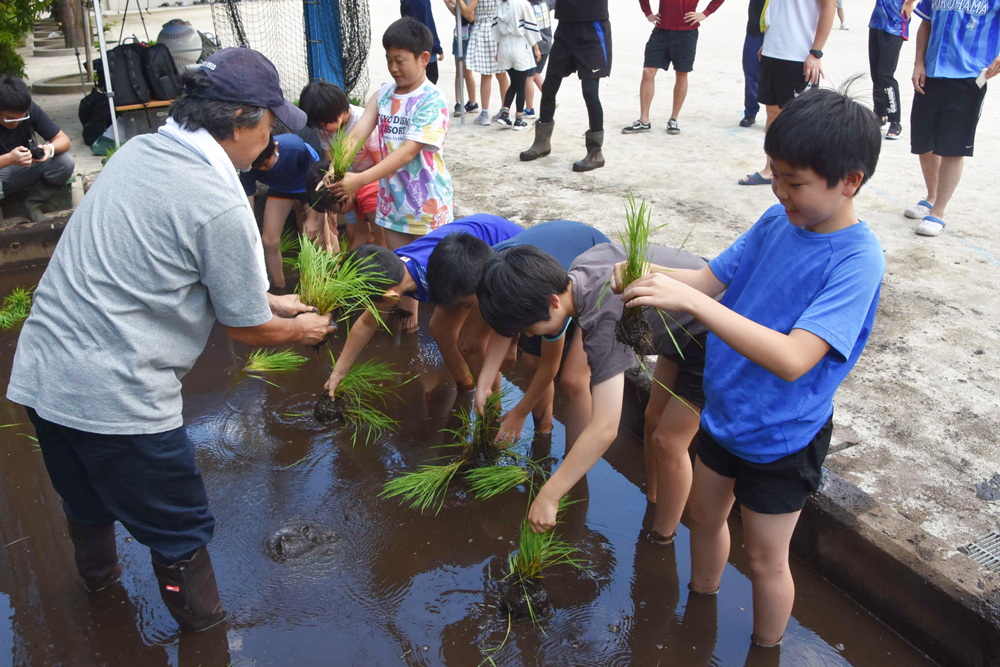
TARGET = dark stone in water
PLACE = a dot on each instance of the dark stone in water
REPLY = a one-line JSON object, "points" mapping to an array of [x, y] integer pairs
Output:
{"points": [[296, 541], [635, 332], [526, 599], [327, 411]]}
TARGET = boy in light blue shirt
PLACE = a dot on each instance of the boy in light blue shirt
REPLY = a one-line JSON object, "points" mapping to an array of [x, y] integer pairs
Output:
{"points": [[958, 49], [801, 290]]}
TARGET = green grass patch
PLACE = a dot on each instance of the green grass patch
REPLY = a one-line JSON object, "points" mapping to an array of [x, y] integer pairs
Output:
{"points": [[16, 307]]}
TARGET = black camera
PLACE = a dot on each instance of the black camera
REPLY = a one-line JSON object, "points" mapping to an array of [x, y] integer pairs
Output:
{"points": [[36, 152]]}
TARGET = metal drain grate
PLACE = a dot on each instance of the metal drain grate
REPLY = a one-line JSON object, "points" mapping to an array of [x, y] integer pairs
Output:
{"points": [[985, 551]]}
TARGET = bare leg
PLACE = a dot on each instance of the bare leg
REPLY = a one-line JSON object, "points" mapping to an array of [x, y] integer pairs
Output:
{"points": [[275, 213], [766, 537], [646, 89], [575, 381], [665, 372], [948, 178], [529, 90], [485, 83], [671, 442], [708, 508], [470, 84], [930, 165], [474, 338], [772, 112], [680, 92], [504, 82], [542, 412], [395, 240]]}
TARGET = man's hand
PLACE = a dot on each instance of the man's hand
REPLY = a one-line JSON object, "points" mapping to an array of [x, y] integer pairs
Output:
{"points": [[653, 18], [19, 157], [542, 513], [920, 77], [331, 385], [812, 70], [510, 428], [48, 152], [659, 291], [288, 305], [343, 188], [993, 69], [694, 18], [314, 328]]}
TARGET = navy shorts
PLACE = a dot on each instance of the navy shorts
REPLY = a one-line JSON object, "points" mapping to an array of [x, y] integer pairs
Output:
{"points": [[671, 47], [778, 487], [781, 81], [583, 47], [944, 118]]}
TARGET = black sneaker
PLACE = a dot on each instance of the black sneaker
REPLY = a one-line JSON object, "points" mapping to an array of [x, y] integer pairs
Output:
{"points": [[895, 129], [637, 126], [673, 127], [503, 119], [471, 107], [519, 124], [747, 121], [458, 110]]}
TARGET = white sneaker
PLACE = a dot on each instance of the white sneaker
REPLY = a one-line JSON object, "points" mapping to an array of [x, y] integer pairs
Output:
{"points": [[483, 118], [843, 26], [930, 226], [920, 211]]}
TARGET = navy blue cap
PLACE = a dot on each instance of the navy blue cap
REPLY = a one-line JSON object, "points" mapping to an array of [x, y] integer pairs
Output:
{"points": [[245, 76]]}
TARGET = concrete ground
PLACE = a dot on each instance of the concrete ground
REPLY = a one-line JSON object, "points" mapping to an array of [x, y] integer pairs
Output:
{"points": [[916, 421]]}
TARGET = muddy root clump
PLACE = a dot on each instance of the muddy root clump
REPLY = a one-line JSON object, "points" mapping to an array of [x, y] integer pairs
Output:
{"points": [[291, 542], [328, 411], [526, 599], [634, 331]]}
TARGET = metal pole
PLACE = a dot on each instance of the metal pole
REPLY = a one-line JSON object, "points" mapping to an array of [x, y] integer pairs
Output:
{"points": [[99, 17], [86, 43], [461, 58]]}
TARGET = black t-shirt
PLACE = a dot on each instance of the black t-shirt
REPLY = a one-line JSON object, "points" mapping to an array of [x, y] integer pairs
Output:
{"points": [[754, 11], [582, 10], [38, 122]]}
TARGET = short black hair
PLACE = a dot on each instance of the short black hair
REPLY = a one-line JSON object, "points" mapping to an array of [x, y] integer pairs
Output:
{"points": [[408, 34], [14, 94], [516, 287], [455, 266], [321, 200], [383, 261], [323, 103], [265, 154], [826, 131]]}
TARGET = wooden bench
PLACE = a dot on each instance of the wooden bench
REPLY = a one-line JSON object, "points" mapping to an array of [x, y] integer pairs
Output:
{"points": [[152, 104]]}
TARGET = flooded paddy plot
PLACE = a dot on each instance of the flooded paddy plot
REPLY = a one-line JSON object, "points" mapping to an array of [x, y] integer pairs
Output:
{"points": [[316, 569]]}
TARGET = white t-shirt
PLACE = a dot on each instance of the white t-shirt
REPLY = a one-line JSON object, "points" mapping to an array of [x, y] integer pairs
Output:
{"points": [[791, 29]]}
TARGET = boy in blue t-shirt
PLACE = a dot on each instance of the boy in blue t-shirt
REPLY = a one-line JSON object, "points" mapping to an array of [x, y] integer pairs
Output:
{"points": [[958, 50], [283, 167], [801, 290], [445, 276], [888, 29]]}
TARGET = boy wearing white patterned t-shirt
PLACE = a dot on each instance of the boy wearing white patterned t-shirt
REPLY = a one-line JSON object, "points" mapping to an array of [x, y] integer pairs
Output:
{"points": [[411, 115]]}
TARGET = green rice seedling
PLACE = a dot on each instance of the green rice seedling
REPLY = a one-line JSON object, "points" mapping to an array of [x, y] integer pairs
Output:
{"points": [[631, 329], [16, 307], [343, 148], [423, 488], [491, 481], [270, 361], [289, 246], [360, 399], [338, 282]]}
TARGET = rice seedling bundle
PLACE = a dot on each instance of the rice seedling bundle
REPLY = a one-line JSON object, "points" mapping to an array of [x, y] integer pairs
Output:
{"points": [[360, 400], [343, 148], [270, 361], [423, 488], [632, 329], [289, 247], [338, 282], [16, 307]]}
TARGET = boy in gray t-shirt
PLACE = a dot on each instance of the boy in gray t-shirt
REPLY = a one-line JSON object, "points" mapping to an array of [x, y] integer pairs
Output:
{"points": [[528, 291]]}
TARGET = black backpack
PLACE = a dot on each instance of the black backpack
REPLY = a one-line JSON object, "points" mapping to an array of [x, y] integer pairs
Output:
{"points": [[95, 116], [128, 80], [161, 73]]}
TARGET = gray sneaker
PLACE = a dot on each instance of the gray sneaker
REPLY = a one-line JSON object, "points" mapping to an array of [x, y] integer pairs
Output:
{"points": [[673, 127], [483, 118]]}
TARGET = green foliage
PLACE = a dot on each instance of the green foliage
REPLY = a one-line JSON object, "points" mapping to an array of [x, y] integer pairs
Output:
{"points": [[269, 361], [343, 148], [538, 552], [491, 481], [16, 307], [364, 391], [356, 101], [423, 488], [338, 281], [17, 17], [635, 238], [289, 247]]}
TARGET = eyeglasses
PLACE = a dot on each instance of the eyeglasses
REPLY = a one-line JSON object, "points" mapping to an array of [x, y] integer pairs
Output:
{"points": [[15, 120]]}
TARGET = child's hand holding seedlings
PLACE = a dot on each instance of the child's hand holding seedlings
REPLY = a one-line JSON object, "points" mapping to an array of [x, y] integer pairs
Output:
{"points": [[510, 427], [482, 395], [616, 276], [331, 384], [659, 291], [345, 187], [542, 513]]}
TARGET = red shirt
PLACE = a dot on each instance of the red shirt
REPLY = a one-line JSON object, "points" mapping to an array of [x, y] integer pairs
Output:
{"points": [[672, 12]]}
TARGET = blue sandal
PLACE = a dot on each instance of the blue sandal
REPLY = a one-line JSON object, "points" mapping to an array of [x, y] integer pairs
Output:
{"points": [[755, 179]]}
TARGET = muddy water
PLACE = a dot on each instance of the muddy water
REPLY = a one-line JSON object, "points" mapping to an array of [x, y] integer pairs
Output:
{"points": [[376, 583]]}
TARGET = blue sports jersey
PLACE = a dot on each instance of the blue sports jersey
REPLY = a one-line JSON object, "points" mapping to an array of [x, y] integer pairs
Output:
{"points": [[965, 36], [888, 17], [565, 240], [288, 174], [490, 228], [785, 277]]}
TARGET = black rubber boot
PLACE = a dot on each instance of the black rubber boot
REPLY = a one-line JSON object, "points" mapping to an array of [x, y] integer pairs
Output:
{"points": [[189, 590], [542, 146], [40, 193], [594, 157], [96, 555]]}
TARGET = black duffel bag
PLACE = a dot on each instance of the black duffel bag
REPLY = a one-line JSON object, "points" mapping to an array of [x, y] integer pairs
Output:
{"points": [[128, 79], [161, 73]]}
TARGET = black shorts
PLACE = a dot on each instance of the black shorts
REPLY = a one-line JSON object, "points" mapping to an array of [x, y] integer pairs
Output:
{"points": [[781, 81], [778, 487], [294, 196], [690, 371], [944, 118], [666, 47], [533, 344], [583, 47]]}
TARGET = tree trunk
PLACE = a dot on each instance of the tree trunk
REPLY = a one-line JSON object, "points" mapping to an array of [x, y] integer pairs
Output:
{"points": [[73, 31]]}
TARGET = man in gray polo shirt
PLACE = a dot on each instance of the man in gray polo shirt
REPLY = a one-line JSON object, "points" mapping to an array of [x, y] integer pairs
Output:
{"points": [[161, 247]]}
